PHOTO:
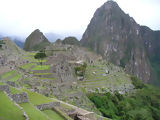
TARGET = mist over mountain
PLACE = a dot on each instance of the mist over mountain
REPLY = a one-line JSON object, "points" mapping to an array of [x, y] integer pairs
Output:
{"points": [[52, 37]]}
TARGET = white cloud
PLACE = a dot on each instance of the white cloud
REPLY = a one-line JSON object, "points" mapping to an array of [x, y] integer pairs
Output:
{"points": [[67, 16]]}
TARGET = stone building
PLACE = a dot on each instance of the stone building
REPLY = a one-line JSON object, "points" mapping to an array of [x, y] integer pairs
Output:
{"points": [[64, 72]]}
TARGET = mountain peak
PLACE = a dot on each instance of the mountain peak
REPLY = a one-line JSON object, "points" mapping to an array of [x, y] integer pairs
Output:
{"points": [[36, 30], [34, 39], [119, 39], [110, 4]]}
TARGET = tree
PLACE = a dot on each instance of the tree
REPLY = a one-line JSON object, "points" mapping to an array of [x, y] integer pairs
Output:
{"points": [[40, 56], [1, 43]]}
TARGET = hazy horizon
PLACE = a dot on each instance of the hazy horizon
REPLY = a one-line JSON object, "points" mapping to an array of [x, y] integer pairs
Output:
{"points": [[67, 18]]}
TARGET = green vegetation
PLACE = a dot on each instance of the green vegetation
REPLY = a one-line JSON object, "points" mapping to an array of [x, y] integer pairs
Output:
{"points": [[143, 105], [71, 41], [33, 113], [52, 114], [137, 83], [155, 63], [9, 111], [36, 98], [41, 67], [1, 83], [96, 77], [27, 66], [8, 74], [80, 70], [40, 56], [16, 77], [1, 43], [15, 90], [42, 73], [40, 46]]}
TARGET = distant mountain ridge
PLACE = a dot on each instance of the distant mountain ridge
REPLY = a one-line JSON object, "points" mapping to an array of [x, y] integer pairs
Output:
{"points": [[19, 43], [119, 39], [52, 37]]}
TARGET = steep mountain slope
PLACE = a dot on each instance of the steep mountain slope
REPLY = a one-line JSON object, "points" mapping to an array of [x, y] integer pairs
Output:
{"points": [[119, 39], [35, 41]]}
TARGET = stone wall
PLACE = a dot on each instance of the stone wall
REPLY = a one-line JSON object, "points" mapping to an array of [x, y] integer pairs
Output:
{"points": [[20, 98], [13, 84], [48, 105], [5, 88]]}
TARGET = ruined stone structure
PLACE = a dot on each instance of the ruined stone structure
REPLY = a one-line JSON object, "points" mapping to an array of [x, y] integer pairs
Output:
{"points": [[48, 105], [13, 84], [64, 72], [20, 98], [5, 88], [2, 60]]}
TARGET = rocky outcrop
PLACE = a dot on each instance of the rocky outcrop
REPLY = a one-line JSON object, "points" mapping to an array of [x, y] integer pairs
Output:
{"points": [[120, 40], [35, 41]]}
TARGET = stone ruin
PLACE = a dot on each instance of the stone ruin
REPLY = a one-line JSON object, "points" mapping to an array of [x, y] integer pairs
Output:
{"points": [[13, 84], [5, 88], [20, 98], [64, 72], [48, 105], [2, 60]]}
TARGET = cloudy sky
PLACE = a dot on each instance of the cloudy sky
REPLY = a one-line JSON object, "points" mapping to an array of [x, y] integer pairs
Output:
{"points": [[69, 17]]}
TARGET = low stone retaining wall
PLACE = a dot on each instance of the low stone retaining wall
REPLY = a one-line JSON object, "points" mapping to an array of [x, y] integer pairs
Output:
{"points": [[5, 88], [13, 84], [20, 98], [48, 105]]}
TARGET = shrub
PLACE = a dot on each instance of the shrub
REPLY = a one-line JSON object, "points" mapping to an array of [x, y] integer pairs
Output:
{"points": [[137, 83]]}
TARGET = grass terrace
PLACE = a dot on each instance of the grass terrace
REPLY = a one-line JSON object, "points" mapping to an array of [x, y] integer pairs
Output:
{"points": [[96, 76], [15, 90], [36, 98], [15, 78], [42, 73], [27, 66], [8, 74], [33, 113], [1, 83], [8, 110], [41, 67], [54, 115]]}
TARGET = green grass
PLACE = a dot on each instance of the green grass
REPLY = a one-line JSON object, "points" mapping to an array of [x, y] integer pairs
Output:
{"points": [[54, 115], [66, 107], [33, 113], [31, 53], [32, 59], [9, 111], [41, 67], [42, 73], [15, 78], [6, 75], [27, 66], [36, 98], [113, 79], [1, 83], [15, 90]]}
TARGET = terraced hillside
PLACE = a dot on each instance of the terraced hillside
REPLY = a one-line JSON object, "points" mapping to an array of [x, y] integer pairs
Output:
{"points": [[11, 110], [106, 77], [55, 84]]}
